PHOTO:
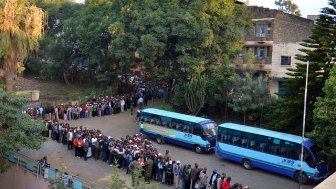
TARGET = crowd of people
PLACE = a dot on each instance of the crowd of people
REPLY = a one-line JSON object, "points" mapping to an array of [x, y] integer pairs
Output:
{"points": [[94, 107], [136, 153]]}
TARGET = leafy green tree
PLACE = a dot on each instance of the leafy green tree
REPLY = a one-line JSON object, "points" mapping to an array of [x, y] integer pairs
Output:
{"points": [[249, 93], [221, 79], [178, 38], [21, 27], [319, 51], [17, 130], [325, 115], [195, 93], [288, 6]]}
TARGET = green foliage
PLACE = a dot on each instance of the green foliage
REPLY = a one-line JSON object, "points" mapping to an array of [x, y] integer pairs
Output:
{"points": [[249, 93], [325, 115], [288, 6], [178, 38], [320, 52], [117, 182], [17, 130], [221, 79], [195, 93]]}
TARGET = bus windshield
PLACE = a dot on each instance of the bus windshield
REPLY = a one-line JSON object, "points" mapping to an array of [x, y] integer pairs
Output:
{"points": [[319, 154], [210, 129]]}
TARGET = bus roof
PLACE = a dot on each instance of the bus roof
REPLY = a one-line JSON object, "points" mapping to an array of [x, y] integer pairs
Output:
{"points": [[175, 115], [255, 130]]}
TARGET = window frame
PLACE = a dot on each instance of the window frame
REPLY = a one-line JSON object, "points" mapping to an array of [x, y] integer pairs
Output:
{"points": [[285, 60]]}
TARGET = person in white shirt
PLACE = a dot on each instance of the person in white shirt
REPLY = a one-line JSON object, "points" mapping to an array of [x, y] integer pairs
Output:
{"points": [[70, 136], [122, 104]]}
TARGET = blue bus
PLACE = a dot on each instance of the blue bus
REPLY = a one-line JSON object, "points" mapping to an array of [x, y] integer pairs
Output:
{"points": [[270, 150], [189, 131]]}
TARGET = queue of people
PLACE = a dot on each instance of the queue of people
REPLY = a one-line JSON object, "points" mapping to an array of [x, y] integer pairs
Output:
{"points": [[94, 107], [137, 154]]}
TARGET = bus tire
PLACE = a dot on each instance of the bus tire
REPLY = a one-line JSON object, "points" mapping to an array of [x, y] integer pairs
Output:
{"points": [[301, 178], [247, 164], [198, 149], [159, 139]]}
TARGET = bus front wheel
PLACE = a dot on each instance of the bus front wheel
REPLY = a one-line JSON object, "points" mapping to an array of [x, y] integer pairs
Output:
{"points": [[198, 149], [159, 139], [301, 177], [247, 164]]}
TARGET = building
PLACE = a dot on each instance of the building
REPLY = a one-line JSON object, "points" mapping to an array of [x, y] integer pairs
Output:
{"points": [[313, 17], [275, 38]]}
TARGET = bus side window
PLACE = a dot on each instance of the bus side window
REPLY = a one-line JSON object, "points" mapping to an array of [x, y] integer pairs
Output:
{"points": [[236, 138], [191, 129], [229, 136], [198, 131], [179, 127], [263, 143], [248, 140], [185, 128], [275, 147]]}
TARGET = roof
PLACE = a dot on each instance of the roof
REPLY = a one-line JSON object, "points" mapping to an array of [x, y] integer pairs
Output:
{"points": [[275, 134], [175, 115]]}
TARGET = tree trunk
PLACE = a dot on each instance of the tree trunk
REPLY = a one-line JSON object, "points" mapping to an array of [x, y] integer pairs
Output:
{"points": [[9, 81], [65, 76]]}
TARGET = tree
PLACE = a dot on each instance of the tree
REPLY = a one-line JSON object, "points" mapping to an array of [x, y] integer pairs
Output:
{"points": [[325, 115], [319, 50], [180, 38], [221, 79], [17, 130], [195, 93], [21, 26], [249, 91], [288, 6]]}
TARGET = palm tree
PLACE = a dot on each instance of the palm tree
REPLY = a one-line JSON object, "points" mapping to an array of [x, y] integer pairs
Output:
{"points": [[21, 26]]}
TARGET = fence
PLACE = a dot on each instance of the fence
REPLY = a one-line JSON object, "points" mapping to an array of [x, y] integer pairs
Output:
{"points": [[49, 173]]}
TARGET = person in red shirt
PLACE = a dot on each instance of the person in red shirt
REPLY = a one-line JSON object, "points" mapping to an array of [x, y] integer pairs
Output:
{"points": [[226, 183], [75, 143], [80, 147]]}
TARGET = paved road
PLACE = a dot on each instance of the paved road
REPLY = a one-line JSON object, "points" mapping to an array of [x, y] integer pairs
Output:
{"points": [[122, 124]]}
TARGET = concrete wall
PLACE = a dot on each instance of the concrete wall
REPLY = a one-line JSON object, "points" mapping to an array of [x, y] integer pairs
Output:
{"points": [[283, 49], [18, 178]]}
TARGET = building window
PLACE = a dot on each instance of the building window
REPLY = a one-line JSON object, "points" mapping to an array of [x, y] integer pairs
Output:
{"points": [[261, 52], [285, 60], [269, 28], [269, 52], [261, 30]]}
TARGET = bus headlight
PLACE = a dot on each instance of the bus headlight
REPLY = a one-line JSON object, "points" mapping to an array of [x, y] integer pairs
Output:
{"points": [[208, 145], [317, 174]]}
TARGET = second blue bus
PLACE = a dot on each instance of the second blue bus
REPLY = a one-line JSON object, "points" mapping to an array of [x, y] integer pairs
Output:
{"points": [[273, 151]]}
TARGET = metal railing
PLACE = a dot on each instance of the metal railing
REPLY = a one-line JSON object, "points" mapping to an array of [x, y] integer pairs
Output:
{"points": [[49, 173]]}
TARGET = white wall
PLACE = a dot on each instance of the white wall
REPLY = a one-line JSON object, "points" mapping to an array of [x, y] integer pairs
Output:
{"points": [[283, 49]]}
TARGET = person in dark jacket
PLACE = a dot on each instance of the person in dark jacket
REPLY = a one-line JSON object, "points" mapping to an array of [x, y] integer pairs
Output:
{"points": [[148, 168], [169, 173]]}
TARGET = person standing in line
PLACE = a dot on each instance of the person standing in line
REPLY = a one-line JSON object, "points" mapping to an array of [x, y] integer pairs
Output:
{"points": [[70, 136], [226, 183], [95, 147], [194, 175], [181, 177], [203, 180], [187, 177], [148, 167], [134, 167], [212, 179], [176, 172]]}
